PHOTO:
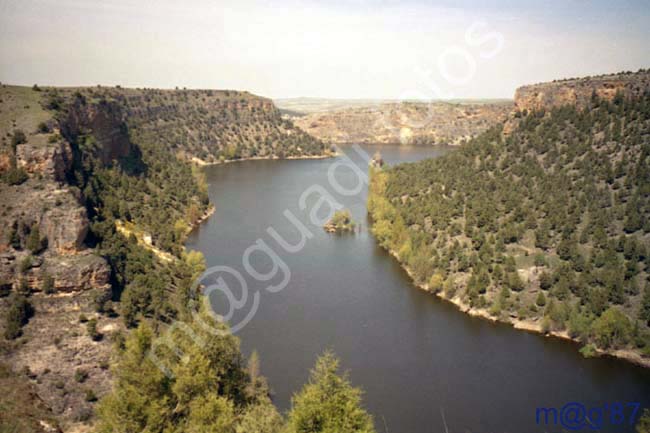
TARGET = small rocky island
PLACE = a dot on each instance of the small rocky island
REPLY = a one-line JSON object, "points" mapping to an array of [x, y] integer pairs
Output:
{"points": [[341, 221]]}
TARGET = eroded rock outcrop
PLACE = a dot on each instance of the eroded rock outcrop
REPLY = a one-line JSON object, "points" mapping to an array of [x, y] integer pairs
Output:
{"points": [[579, 91], [105, 120], [53, 160], [404, 123]]}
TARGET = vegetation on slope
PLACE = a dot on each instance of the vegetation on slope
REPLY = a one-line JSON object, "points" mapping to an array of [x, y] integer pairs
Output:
{"points": [[549, 225], [211, 389], [208, 125], [128, 175]]}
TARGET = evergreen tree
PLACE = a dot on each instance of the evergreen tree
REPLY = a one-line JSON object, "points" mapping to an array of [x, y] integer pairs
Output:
{"points": [[328, 403]]}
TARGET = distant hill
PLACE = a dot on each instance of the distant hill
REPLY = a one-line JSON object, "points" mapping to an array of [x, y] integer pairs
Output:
{"points": [[302, 106], [399, 122]]}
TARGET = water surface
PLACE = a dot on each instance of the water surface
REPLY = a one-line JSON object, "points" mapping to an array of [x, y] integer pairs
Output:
{"points": [[424, 365]]}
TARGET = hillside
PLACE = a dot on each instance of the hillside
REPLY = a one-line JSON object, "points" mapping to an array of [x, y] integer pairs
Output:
{"points": [[405, 123], [97, 194], [209, 125], [546, 227]]}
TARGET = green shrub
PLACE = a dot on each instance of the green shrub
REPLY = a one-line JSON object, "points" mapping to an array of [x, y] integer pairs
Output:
{"points": [[18, 137], [80, 375], [48, 284], [20, 310], [588, 351], [43, 128], [93, 333], [15, 176], [541, 299], [612, 329], [90, 396], [25, 264], [35, 243]]}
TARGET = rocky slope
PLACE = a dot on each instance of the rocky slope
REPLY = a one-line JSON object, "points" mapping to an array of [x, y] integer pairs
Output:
{"points": [[207, 126], [73, 163], [43, 255], [405, 123], [580, 91]]}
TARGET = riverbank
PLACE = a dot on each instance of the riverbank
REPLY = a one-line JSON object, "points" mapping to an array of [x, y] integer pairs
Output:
{"points": [[207, 214], [533, 326], [203, 163]]}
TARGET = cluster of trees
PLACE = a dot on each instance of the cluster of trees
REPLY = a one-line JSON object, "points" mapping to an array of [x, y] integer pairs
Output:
{"points": [[210, 388], [15, 175], [18, 314], [158, 194], [23, 235], [548, 223], [341, 221]]}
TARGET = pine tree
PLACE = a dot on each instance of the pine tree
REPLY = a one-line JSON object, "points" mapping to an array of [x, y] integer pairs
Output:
{"points": [[541, 299], [644, 313], [328, 403]]}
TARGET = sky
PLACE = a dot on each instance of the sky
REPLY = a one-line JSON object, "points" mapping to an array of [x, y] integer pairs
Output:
{"points": [[408, 49]]}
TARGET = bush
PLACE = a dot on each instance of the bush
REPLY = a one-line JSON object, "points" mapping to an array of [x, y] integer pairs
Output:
{"points": [[90, 396], [541, 299], [515, 282], [80, 375], [48, 284], [20, 310], [93, 333], [15, 176], [436, 282], [43, 128], [19, 137], [35, 243], [612, 329], [25, 264], [589, 351]]}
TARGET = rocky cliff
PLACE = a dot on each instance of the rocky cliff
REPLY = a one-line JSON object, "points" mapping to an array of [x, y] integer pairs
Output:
{"points": [[405, 123], [44, 256], [206, 126], [579, 91]]}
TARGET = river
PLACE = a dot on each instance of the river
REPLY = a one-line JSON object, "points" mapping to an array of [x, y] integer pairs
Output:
{"points": [[424, 366]]}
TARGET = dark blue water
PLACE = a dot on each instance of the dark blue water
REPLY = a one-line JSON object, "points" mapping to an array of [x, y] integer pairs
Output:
{"points": [[424, 365]]}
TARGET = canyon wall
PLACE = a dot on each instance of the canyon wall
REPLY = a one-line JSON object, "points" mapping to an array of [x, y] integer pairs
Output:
{"points": [[579, 91], [404, 123]]}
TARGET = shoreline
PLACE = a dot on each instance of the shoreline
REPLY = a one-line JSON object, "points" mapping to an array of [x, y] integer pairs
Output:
{"points": [[519, 324], [207, 214], [201, 163]]}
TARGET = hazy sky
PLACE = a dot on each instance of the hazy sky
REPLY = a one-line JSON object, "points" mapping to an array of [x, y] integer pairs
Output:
{"points": [[325, 48]]}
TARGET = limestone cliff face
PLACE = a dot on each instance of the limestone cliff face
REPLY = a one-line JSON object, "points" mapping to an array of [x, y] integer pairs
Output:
{"points": [[199, 125], [404, 123], [105, 120], [579, 91], [52, 160], [43, 220], [43, 250]]}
